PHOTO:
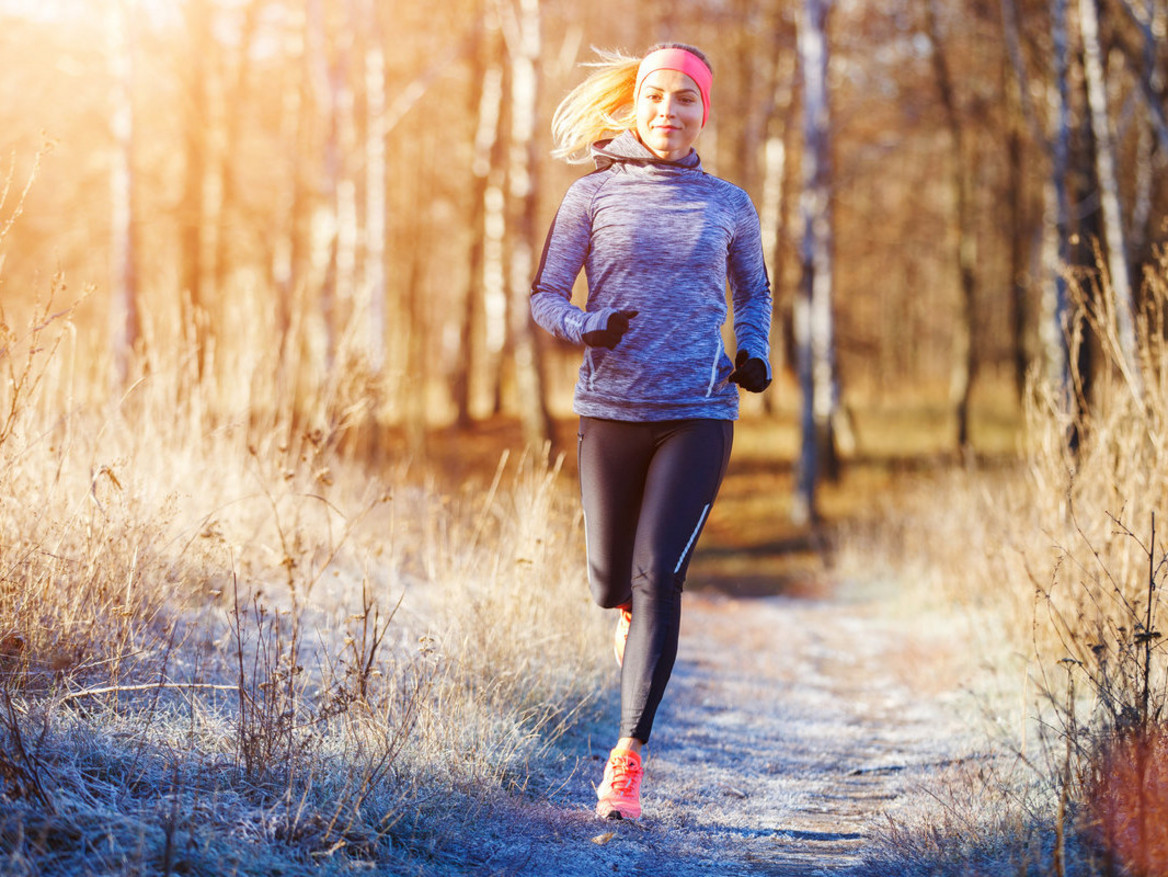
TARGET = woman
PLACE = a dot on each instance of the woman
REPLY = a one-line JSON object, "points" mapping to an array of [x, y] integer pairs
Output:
{"points": [[658, 238]]}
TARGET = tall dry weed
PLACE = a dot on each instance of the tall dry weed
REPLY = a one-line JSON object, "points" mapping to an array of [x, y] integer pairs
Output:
{"points": [[1100, 611], [227, 644], [1058, 566]]}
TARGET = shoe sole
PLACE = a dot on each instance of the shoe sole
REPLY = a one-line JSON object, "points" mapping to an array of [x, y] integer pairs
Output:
{"points": [[615, 814]]}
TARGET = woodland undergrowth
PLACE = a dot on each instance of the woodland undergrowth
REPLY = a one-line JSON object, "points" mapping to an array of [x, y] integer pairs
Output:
{"points": [[1056, 568], [226, 647]]}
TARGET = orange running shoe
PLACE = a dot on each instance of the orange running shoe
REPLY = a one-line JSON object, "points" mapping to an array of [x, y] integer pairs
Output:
{"points": [[619, 793], [622, 633]]}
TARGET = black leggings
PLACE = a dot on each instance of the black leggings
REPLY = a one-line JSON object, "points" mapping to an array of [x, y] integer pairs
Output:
{"points": [[647, 489]]}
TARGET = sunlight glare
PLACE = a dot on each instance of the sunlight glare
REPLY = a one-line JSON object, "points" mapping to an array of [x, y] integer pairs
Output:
{"points": [[95, 11]]}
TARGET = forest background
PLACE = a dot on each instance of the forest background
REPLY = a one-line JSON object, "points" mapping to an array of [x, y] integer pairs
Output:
{"points": [[277, 433], [368, 184]]}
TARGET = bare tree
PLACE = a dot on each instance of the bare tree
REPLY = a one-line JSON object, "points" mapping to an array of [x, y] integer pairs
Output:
{"points": [[376, 202], [235, 106], [814, 320], [775, 204], [1053, 319], [1152, 23], [125, 320], [521, 27], [1105, 165], [965, 360], [1019, 240], [1057, 309], [289, 250], [1151, 20], [487, 104], [495, 227], [193, 215], [327, 61]]}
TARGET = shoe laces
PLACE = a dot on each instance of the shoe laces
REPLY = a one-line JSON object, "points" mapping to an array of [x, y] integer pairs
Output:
{"points": [[626, 775]]}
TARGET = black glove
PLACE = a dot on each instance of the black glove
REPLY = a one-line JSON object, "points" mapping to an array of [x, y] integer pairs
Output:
{"points": [[611, 334], [750, 372]]}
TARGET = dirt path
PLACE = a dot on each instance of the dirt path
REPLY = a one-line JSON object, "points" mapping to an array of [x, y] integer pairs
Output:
{"points": [[790, 729]]}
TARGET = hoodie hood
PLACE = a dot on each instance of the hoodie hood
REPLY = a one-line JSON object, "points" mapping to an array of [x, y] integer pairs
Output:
{"points": [[626, 148]]}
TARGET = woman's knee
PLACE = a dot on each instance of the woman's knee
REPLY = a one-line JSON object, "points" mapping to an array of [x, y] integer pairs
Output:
{"points": [[608, 592], [659, 584]]}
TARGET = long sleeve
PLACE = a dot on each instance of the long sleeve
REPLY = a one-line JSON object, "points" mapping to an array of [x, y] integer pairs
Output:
{"points": [[750, 287], [564, 253], [662, 240]]}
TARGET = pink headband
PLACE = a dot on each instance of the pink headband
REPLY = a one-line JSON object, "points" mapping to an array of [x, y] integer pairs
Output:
{"points": [[684, 62]]}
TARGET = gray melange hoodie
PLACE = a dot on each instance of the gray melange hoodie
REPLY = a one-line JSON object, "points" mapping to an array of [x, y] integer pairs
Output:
{"points": [[660, 238]]}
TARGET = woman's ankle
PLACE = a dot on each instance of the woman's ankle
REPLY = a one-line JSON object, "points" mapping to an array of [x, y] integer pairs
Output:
{"points": [[630, 743]]}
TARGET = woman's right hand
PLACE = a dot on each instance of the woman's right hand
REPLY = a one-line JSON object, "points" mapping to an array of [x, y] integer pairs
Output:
{"points": [[614, 329]]}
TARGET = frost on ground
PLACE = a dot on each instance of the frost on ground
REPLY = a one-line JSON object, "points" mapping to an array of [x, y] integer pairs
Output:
{"points": [[791, 729]]}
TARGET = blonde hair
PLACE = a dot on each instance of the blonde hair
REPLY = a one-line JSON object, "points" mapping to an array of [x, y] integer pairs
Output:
{"points": [[603, 105]]}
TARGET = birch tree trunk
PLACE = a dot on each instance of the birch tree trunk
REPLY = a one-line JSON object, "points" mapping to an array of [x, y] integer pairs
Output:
{"points": [[325, 221], [758, 93], [414, 336], [814, 327], [522, 30], [1154, 25], [376, 209], [235, 107], [1055, 249], [193, 215], [487, 104], [125, 320], [289, 249], [495, 265], [346, 211], [964, 365], [1117, 265], [1058, 206], [774, 208], [1019, 243]]}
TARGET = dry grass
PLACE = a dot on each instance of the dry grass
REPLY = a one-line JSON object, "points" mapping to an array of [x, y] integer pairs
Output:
{"points": [[227, 648], [1057, 566]]}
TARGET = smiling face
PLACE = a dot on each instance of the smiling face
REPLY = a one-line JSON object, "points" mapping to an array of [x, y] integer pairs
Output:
{"points": [[669, 114]]}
